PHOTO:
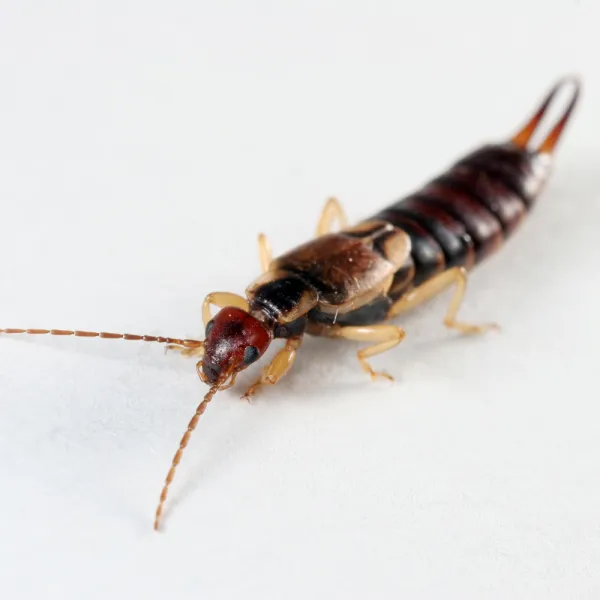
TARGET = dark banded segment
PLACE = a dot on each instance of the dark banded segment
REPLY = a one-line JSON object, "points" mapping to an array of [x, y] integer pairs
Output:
{"points": [[449, 232], [465, 214], [453, 248], [507, 163], [499, 198], [426, 252], [480, 223]]}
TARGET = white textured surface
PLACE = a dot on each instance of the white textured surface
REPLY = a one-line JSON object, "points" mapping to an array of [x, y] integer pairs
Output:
{"points": [[142, 147]]}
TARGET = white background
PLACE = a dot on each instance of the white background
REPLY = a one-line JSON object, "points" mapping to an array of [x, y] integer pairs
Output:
{"points": [[143, 145]]}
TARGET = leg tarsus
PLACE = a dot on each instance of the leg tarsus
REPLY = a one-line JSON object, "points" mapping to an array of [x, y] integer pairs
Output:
{"points": [[331, 211], [468, 329], [251, 391], [385, 336], [459, 275], [374, 374]]}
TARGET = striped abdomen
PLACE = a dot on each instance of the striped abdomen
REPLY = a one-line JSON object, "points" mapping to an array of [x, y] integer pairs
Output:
{"points": [[465, 214]]}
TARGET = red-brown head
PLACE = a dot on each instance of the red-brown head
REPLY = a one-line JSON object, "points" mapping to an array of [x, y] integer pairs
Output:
{"points": [[234, 340]]}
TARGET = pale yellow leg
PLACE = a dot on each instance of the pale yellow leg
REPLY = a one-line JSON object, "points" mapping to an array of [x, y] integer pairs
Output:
{"points": [[265, 254], [456, 276], [277, 368], [331, 211], [386, 336]]}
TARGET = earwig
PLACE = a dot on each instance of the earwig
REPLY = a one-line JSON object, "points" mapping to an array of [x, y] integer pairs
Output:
{"points": [[346, 284]]}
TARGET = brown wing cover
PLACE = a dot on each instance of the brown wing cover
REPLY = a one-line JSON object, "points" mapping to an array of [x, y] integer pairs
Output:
{"points": [[352, 267]]}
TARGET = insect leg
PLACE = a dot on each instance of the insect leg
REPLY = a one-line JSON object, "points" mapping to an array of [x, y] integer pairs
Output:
{"points": [[385, 336], [457, 277], [331, 211], [277, 368], [265, 255]]}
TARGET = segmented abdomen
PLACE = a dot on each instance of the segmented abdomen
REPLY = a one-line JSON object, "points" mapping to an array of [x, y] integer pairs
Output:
{"points": [[465, 214]]}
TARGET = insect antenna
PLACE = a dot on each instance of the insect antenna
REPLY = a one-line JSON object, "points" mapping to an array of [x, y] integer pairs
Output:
{"points": [[182, 444], [181, 343], [523, 137]]}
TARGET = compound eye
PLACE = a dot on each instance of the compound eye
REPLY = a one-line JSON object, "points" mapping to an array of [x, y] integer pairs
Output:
{"points": [[251, 354], [209, 326]]}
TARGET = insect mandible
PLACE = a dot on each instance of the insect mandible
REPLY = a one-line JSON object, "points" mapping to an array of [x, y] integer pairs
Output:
{"points": [[348, 283]]}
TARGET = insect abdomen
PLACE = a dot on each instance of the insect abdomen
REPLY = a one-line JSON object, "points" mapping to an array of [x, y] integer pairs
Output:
{"points": [[464, 215]]}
